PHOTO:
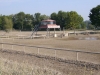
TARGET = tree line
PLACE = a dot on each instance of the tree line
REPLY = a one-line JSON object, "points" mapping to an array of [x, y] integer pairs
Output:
{"points": [[66, 20], [95, 16], [6, 23]]}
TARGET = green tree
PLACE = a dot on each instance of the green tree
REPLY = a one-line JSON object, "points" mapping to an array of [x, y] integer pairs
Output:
{"points": [[44, 17], [53, 16], [83, 25], [89, 25], [95, 16], [61, 18], [28, 22], [1, 27], [18, 20], [37, 18], [73, 20], [7, 23]]}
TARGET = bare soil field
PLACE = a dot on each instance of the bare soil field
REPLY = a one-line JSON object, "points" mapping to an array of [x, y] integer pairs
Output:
{"points": [[58, 66], [71, 43]]}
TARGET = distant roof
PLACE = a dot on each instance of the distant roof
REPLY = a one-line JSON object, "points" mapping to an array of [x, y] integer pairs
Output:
{"points": [[48, 20]]}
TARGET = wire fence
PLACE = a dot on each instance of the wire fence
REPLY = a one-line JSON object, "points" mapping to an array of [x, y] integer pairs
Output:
{"points": [[55, 52]]}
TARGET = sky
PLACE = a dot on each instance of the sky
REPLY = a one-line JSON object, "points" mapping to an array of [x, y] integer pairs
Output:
{"points": [[82, 7]]}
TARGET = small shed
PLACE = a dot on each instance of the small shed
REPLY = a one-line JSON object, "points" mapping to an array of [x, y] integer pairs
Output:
{"points": [[48, 24]]}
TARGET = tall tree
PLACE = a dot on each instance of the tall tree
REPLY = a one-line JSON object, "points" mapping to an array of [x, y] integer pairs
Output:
{"points": [[54, 16], [44, 17], [7, 23], [18, 20], [61, 18], [95, 16], [1, 26], [23, 21], [28, 22], [73, 20], [37, 18], [83, 25]]}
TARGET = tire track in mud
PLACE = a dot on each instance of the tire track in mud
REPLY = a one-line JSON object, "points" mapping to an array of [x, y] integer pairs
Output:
{"points": [[62, 65]]}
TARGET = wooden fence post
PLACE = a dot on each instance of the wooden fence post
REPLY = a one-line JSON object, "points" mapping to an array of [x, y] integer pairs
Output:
{"points": [[77, 56]]}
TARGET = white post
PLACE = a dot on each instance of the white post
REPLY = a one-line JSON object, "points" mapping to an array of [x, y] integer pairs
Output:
{"points": [[77, 55], [38, 51], [55, 35]]}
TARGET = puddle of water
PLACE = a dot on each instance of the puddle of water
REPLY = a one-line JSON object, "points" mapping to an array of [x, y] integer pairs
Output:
{"points": [[88, 38]]}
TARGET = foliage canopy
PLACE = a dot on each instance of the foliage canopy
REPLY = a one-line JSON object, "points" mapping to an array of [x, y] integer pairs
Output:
{"points": [[22, 21], [95, 16]]}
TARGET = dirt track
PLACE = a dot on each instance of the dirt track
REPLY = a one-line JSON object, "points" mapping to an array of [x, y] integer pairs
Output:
{"points": [[87, 45], [84, 45], [68, 43], [63, 66]]}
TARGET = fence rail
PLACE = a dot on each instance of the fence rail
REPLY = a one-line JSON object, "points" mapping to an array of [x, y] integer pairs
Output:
{"points": [[49, 48], [53, 48]]}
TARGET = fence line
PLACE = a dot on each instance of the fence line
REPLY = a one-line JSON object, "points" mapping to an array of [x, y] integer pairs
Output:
{"points": [[48, 48], [52, 48]]}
